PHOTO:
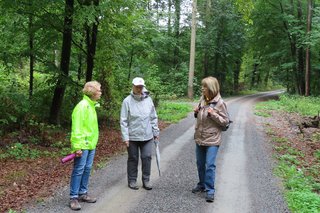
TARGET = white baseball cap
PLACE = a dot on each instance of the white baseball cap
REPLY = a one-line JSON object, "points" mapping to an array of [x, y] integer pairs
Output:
{"points": [[138, 81]]}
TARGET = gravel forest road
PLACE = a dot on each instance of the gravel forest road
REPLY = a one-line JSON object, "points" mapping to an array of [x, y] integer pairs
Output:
{"points": [[244, 181]]}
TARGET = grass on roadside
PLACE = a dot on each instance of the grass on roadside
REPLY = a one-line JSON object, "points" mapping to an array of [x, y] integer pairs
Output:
{"points": [[302, 186], [299, 192], [173, 111]]}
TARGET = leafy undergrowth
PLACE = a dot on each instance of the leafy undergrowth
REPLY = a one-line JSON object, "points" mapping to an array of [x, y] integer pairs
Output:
{"points": [[173, 111], [296, 144], [24, 180]]}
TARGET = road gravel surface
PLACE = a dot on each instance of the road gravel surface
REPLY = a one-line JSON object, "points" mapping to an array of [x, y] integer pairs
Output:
{"points": [[244, 179]]}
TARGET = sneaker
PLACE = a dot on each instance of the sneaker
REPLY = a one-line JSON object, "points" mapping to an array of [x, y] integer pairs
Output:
{"points": [[74, 204], [197, 189], [86, 198], [147, 186], [133, 185], [210, 198]]}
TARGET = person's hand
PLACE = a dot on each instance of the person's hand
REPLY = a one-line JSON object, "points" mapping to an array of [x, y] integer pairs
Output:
{"points": [[79, 153], [196, 109], [210, 111], [156, 138], [127, 143]]}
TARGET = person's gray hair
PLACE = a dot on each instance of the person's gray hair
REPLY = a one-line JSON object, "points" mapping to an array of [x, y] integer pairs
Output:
{"points": [[90, 88]]}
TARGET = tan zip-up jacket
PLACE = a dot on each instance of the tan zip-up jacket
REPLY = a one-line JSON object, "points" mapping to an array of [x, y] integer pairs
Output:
{"points": [[208, 127]]}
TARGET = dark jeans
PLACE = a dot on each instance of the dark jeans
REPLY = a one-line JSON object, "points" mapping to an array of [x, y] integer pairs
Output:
{"points": [[145, 148]]}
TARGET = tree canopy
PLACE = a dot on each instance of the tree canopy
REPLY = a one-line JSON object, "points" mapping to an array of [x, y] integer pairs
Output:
{"points": [[51, 48]]}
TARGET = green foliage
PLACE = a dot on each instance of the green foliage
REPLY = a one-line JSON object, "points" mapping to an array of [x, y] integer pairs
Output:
{"points": [[300, 189], [293, 103], [303, 105], [20, 151], [303, 201], [173, 111], [317, 155], [262, 114], [289, 158], [280, 140]]}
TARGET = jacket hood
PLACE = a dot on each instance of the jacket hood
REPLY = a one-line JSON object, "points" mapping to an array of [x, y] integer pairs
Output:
{"points": [[144, 95]]}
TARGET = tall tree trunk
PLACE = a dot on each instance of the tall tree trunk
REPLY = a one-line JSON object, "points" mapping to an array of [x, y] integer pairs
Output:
{"points": [[192, 49], [206, 59], [307, 77], [223, 71], [292, 41], [300, 64], [158, 16], [169, 17], [217, 55], [56, 56], [176, 32], [266, 78], [64, 65], [169, 34], [130, 63], [253, 76], [79, 73], [31, 55], [216, 63], [91, 43], [236, 74]]}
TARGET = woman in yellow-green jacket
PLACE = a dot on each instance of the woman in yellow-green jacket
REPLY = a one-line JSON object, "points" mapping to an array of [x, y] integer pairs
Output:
{"points": [[84, 138]]}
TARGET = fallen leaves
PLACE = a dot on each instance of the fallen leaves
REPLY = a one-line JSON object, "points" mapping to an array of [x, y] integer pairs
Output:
{"points": [[23, 181]]}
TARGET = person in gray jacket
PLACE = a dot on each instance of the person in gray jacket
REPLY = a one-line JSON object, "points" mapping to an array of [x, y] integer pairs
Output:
{"points": [[139, 127]]}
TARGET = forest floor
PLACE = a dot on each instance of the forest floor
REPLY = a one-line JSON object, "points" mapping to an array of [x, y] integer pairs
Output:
{"points": [[299, 136], [28, 181], [33, 180]]}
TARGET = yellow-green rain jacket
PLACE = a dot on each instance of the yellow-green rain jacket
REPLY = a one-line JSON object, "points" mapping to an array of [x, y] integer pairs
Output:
{"points": [[85, 131]]}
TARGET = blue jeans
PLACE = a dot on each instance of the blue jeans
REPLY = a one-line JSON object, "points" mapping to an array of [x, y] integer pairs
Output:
{"points": [[206, 157], [81, 172]]}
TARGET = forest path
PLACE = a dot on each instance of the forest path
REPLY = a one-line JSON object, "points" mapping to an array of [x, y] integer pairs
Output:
{"points": [[244, 181]]}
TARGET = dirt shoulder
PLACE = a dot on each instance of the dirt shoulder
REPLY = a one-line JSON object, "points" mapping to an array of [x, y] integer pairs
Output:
{"points": [[299, 134], [25, 182]]}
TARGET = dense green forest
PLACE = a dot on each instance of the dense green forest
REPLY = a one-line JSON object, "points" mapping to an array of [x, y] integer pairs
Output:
{"points": [[49, 49]]}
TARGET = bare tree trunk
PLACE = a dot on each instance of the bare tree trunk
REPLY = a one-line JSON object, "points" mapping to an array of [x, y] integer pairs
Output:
{"points": [[208, 18], [169, 32], [169, 17], [64, 65], [266, 78], [130, 63], [236, 75], [253, 76], [176, 32], [308, 53], [31, 55], [300, 64], [293, 82], [91, 43], [192, 49]]}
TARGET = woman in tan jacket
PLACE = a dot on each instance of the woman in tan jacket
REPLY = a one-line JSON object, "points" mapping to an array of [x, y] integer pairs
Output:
{"points": [[212, 115]]}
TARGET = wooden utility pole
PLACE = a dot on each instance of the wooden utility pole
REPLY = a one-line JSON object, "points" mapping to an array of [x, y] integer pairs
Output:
{"points": [[192, 49]]}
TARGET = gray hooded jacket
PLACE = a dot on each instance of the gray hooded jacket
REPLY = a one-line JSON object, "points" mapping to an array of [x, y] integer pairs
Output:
{"points": [[138, 118]]}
